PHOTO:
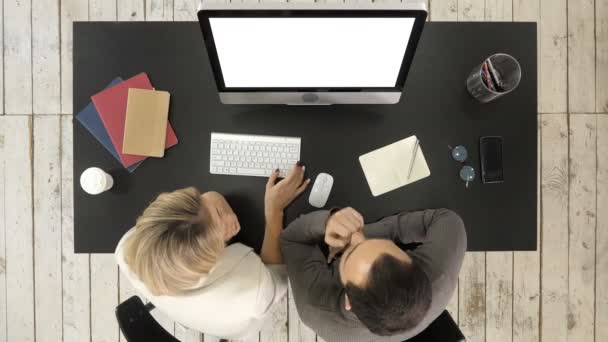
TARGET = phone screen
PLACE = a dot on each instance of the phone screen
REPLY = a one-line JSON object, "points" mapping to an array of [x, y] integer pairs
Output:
{"points": [[491, 159]]}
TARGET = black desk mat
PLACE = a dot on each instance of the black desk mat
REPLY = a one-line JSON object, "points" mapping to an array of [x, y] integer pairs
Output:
{"points": [[435, 106]]}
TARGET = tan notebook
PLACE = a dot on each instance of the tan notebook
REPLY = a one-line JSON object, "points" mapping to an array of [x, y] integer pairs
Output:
{"points": [[146, 122], [394, 166]]}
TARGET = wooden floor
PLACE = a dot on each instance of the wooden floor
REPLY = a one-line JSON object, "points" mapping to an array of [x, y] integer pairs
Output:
{"points": [[558, 293]]}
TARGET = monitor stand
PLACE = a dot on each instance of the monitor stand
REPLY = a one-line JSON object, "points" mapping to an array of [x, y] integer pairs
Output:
{"points": [[310, 98]]}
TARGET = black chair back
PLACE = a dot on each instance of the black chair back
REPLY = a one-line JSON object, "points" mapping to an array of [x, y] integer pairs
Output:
{"points": [[443, 329], [138, 325]]}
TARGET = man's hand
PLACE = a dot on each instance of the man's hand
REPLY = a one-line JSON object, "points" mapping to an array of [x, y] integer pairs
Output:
{"points": [[340, 228], [280, 194]]}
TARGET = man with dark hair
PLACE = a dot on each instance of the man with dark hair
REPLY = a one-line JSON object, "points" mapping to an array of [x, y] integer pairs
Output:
{"points": [[395, 298], [385, 281]]}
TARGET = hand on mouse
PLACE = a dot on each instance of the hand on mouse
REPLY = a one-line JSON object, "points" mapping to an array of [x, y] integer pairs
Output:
{"points": [[340, 228], [280, 194]]}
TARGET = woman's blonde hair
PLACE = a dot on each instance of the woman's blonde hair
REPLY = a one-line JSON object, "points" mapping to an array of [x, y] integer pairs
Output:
{"points": [[173, 244]]}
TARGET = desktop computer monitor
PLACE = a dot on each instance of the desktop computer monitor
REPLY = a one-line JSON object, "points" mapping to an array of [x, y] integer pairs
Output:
{"points": [[311, 54]]}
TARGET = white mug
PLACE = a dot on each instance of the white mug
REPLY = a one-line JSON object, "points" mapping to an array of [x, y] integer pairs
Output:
{"points": [[95, 181]]}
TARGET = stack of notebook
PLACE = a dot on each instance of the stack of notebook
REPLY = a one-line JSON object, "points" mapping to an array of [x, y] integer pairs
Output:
{"points": [[130, 119]]}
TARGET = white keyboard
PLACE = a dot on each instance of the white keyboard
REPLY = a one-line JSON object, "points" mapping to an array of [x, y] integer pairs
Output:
{"points": [[252, 155]]}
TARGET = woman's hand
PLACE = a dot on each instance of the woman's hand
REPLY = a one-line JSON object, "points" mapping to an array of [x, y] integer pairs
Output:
{"points": [[280, 194]]}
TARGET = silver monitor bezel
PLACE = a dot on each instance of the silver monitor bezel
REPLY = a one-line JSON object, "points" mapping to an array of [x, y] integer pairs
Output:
{"points": [[311, 95]]}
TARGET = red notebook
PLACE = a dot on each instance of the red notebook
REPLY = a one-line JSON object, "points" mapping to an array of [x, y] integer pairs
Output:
{"points": [[112, 107]]}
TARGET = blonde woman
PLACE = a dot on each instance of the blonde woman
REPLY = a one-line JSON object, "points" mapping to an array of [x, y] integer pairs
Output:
{"points": [[177, 257]]}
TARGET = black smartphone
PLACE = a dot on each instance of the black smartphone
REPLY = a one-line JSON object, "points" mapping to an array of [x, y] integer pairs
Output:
{"points": [[490, 150]]}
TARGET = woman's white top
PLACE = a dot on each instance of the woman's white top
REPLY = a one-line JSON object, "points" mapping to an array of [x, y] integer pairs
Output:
{"points": [[232, 302]]}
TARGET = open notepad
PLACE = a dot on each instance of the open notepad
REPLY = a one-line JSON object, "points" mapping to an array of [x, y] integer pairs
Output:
{"points": [[388, 167]]}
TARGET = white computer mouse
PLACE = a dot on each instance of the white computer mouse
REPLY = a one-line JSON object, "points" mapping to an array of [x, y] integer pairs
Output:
{"points": [[321, 190]]}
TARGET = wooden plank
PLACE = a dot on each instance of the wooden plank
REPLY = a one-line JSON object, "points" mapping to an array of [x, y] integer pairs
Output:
{"points": [[297, 330], [47, 228], [187, 335], [581, 56], [526, 265], [3, 180], [76, 287], [472, 296], [553, 66], [526, 275], [163, 11], [601, 256], [45, 57], [428, 9], [526, 296], [582, 224], [471, 10], [353, 2], [71, 10], [104, 291], [185, 10], [130, 10], [227, 1], [102, 10], [125, 10], [136, 10], [444, 10], [499, 265], [17, 56], [447, 10], [601, 54], [19, 227], [471, 283], [159, 10], [554, 237], [375, 1], [104, 297], [2, 79], [252, 338], [499, 296], [499, 10], [526, 10], [276, 328]]}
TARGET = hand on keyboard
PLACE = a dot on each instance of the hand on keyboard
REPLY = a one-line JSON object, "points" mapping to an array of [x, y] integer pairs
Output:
{"points": [[252, 155], [280, 194]]}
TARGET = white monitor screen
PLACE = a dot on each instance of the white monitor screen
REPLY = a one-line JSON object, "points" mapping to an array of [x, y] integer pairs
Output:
{"points": [[310, 52]]}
